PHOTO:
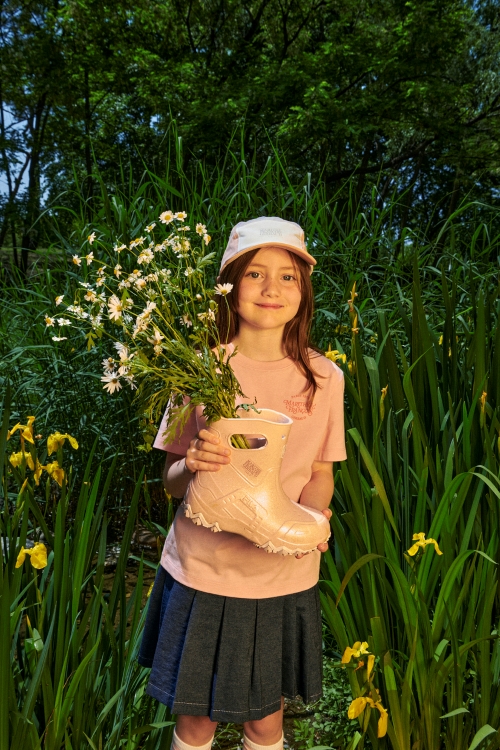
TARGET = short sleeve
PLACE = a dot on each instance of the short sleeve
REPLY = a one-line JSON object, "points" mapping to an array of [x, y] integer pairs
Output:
{"points": [[181, 443], [333, 446]]}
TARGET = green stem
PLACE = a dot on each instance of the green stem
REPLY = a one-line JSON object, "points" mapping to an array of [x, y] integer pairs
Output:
{"points": [[239, 441]]}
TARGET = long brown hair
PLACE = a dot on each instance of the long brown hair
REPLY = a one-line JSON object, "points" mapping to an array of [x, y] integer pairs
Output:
{"points": [[297, 331]]}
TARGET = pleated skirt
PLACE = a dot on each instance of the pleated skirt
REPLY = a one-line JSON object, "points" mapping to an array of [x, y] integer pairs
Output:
{"points": [[229, 658]]}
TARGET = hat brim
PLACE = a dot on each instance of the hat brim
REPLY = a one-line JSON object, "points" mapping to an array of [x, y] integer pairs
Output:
{"points": [[272, 243]]}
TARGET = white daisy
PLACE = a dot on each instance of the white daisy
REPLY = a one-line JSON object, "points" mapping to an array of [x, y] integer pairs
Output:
{"points": [[77, 260], [137, 242], [91, 238], [59, 299], [156, 338], [111, 382], [108, 364], [223, 289], [166, 217], [209, 314], [130, 379], [146, 256], [49, 321], [59, 338], [115, 307], [122, 350]]}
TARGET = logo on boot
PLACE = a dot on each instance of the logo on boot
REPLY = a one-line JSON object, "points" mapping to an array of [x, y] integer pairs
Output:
{"points": [[251, 468]]}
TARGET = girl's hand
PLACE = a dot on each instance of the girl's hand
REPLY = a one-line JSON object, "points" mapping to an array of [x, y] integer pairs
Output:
{"points": [[205, 453], [322, 547]]}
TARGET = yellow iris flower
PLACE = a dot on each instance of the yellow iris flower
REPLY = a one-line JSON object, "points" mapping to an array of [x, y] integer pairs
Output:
{"points": [[16, 460], [56, 441], [37, 554], [55, 471], [26, 430], [335, 356], [422, 542], [369, 666], [358, 706], [357, 650]]}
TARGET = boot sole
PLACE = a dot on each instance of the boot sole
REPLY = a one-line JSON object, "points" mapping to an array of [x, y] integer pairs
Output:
{"points": [[200, 520]]}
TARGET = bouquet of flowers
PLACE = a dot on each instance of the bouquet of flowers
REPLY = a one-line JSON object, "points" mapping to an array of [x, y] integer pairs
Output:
{"points": [[154, 302]]}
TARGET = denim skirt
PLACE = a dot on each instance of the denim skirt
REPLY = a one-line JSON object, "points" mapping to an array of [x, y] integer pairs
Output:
{"points": [[228, 658]]}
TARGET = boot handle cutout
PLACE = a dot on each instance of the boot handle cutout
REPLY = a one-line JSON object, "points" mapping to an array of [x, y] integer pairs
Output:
{"points": [[256, 442]]}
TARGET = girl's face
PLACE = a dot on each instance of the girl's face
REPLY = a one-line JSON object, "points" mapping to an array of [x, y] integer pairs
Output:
{"points": [[269, 294]]}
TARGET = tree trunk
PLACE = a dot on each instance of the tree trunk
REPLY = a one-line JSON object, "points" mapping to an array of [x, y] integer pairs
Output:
{"points": [[88, 151], [30, 238], [13, 185], [406, 205]]}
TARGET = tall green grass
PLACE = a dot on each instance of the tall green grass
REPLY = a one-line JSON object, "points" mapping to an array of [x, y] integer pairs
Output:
{"points": [[426, 458], [68, 671]]}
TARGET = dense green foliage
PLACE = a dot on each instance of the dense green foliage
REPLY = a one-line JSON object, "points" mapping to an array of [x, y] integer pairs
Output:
{"points": [[69, 675], [423, 457], [403, 95]]}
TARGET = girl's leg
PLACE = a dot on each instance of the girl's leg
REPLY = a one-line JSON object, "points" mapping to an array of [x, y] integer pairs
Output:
{"points": [[264, 732], [194, 731]]}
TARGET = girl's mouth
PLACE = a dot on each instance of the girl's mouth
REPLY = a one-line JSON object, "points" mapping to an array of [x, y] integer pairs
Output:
{"points": [[270, 307]]}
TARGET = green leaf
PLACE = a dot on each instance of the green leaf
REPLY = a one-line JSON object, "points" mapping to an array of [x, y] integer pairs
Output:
{"points": [[481, 735], [376, 478], [352, 570], [456, 712]]}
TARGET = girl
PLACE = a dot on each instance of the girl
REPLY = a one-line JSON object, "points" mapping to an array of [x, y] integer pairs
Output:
{"points": [[232, 630]]}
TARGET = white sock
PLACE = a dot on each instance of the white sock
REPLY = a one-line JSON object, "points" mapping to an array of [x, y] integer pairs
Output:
{"points": [[178, 744], [249, 745]]}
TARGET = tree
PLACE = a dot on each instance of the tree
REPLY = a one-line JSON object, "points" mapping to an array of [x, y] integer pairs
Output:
{"points": [[404, 95]]}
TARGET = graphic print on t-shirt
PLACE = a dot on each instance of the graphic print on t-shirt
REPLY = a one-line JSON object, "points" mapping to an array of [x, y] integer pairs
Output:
{"points": [[298, 409]]}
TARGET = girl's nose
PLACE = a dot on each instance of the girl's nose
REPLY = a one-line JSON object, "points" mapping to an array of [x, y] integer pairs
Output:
{"points": [[271, 288]]}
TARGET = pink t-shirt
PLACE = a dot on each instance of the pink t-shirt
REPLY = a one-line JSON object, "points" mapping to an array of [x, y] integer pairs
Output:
{"points": [[228, 564]]}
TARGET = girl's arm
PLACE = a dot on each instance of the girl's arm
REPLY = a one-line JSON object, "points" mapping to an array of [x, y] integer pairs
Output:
{"points": [[204, 454], [176, 475], [318, 492]]}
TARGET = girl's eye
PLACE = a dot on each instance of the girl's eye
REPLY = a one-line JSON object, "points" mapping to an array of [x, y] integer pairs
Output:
{"points": [[254, 274], [289, 277]]}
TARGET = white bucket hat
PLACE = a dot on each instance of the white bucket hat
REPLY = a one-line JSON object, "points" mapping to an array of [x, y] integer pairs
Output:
{"points": [[263, 232]]}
